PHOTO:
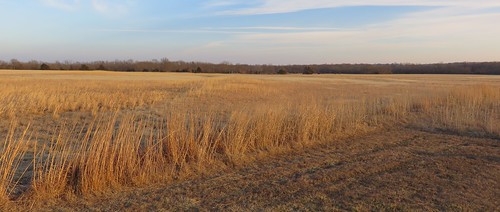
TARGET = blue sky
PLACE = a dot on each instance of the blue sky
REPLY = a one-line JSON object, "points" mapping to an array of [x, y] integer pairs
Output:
{"points": [[252, 31]]}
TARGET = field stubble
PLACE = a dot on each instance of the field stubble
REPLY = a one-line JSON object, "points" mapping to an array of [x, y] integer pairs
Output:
{"points": [[65, 136]]}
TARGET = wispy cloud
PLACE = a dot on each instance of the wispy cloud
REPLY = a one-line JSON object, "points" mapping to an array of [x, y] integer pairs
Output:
{"points": [[221, 3], [280, 6], [437, 35], [63, 4], [230, 30], [275, 28], [444, 30], [193, 31], [111, 7], [107, 7]]}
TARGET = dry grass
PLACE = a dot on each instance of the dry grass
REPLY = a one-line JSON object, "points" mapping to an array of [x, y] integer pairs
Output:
{"points": [[20, 97], [13, 151], [472, 109], [153, 131]]}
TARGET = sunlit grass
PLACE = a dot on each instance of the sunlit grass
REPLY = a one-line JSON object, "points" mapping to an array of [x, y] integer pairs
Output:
{"points": [[143, 132]]}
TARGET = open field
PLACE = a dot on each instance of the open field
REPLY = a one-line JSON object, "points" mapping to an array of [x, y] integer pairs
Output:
{"points": [[100, 140]]}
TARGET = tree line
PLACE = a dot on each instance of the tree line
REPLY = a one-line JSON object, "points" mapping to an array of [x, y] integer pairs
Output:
{"points": [[165, 65]]}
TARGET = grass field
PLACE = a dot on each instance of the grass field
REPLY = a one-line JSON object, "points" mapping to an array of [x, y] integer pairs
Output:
{"points": [[72, 135]]}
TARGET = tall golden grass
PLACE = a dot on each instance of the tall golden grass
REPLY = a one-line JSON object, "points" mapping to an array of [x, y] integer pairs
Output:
{"points": [[473, 110], [13, 151], [28, 96], [194, 127]]}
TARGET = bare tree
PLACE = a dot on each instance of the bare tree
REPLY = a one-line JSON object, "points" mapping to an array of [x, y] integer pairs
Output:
{"points": [[16, 64]]}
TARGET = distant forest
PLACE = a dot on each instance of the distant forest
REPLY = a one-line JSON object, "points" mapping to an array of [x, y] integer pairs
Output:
{"points": [[165, 65]]}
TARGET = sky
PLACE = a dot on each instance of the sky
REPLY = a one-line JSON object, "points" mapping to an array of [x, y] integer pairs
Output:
{"points": [[252, 31]]}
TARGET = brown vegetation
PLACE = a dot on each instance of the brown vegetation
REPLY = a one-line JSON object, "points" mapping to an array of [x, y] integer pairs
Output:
{"points": [[165, 65], [88, 134]]}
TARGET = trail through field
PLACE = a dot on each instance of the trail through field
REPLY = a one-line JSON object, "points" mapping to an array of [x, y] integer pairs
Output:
{"points": [[396, 169]]}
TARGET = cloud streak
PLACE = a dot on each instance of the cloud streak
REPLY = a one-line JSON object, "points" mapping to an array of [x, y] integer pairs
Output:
{"points": [[444, 34], [107, 7], [443, 30], [111, 7], [67, 5], [194, 31], [280, 6], [221, 3], [275, 28]]}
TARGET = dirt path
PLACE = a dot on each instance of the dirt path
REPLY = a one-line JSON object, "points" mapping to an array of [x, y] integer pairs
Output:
{"points": [[398, 169]]}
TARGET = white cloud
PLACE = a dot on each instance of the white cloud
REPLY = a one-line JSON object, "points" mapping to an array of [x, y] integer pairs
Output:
{"points": [[111, 7], [440, 35], [280, 6], [107, 7], [194, 31], [63, 4], [221, 3], [276, 28]]}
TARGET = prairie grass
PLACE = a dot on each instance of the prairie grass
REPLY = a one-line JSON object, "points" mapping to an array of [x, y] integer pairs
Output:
{"points": [[13, 151], [145, 132], [472, 110], [29, 97]]}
